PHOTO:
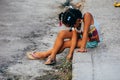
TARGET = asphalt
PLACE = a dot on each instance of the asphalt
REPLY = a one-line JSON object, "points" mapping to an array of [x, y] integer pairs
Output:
{"points": [[102, 62]]}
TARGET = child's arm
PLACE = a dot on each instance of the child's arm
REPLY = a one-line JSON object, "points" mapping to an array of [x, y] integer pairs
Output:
{"points": [[73, 44], [87, 23]]}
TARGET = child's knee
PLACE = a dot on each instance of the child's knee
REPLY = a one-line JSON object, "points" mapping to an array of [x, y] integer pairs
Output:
{"points": [[61, 34]]}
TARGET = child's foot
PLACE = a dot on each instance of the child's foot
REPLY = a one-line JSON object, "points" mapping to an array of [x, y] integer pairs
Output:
{"points": [[50, 61], [82, 50], [69, 57], [35, 55]]}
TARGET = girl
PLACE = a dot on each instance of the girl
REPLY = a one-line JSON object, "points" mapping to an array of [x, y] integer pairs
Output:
{"points": [[75, 37]]}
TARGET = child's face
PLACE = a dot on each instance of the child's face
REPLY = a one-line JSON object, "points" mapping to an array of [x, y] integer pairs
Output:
{"points": [[78, 21]]}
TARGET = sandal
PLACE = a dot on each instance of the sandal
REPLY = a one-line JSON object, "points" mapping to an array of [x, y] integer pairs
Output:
{"points": [[32, 56], [50, 61], [82, 50]]}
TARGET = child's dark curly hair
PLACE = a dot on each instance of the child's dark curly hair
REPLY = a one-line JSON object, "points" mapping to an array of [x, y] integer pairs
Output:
{"points": [[70, 16]]}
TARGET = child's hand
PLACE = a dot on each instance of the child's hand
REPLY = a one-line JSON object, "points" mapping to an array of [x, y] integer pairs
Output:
{"points": [[82, 50]]}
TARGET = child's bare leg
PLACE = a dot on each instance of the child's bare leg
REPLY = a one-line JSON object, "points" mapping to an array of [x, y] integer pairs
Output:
{"points": [[64, 34], [70, 56], [52, 60], [59, 42], [45, 54], [66, 44]]}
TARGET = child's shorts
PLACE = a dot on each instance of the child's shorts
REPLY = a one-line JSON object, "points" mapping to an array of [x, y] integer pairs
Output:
{"points": [[92, 44]]}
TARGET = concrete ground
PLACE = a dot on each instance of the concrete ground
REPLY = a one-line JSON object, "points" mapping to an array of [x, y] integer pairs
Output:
{"points": [[103, 62], [32, 25], [26, 25]]}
